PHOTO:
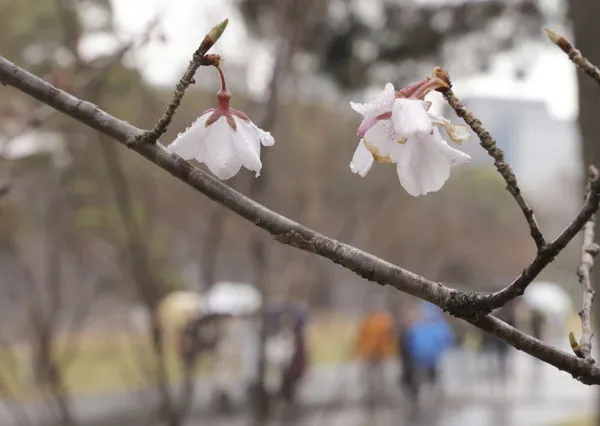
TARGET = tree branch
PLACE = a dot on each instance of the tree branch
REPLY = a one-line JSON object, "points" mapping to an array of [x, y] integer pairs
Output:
{"points": [[488, 143], [289, 232], [546, 255], [43, 113], [589, 250], [574, 54], [198, 59]]}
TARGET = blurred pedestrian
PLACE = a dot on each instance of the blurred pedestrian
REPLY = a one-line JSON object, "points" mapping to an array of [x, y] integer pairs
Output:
{"points": [[407, 369], [537, 322], [427, 338], [376, 342], [497, 350], [295, 370]]}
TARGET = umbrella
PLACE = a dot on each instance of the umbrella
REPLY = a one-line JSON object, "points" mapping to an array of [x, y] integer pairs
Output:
{"points": [[234, 298], [178, 307], [548, 297]]}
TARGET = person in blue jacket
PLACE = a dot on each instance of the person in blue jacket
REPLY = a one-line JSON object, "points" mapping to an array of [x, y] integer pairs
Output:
{"points": [[426, 340]]}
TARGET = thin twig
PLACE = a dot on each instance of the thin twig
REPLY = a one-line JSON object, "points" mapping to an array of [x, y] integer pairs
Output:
{"points": [[544, 257], [488, 143], [574, 54], [199, 58], [589, 250], [289, 232]]}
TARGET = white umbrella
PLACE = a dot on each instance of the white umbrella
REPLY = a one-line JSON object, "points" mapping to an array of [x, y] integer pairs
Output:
{"points": [[548, 297], [233, 298]]}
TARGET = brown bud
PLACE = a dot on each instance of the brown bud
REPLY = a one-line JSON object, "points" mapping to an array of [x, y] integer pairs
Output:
{"points": [[213, 35], [559, 40], [442, 74], [575, 345]]}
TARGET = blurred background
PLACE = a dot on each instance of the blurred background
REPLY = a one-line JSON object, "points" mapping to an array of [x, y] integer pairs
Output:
{"points": [[127, 296]]}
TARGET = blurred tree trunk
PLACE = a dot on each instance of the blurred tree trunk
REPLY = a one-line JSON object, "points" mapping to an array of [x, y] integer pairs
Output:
{"points": [[285, 50], [584, 15]]}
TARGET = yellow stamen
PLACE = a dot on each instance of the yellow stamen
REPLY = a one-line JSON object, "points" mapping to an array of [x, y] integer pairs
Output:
{"points": [[376, 154]]}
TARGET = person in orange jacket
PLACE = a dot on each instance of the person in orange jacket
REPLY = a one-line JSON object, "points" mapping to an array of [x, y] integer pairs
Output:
{"points": [[375, 343]]}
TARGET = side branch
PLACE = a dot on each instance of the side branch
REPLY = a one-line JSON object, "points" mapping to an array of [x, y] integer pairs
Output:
{"points": [[287, 231], [198, 59], [589, 250], [574, 54], [547, 255], [488, 143]]}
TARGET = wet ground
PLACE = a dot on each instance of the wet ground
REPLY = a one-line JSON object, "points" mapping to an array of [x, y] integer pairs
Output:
{"points": [[535, 394]]}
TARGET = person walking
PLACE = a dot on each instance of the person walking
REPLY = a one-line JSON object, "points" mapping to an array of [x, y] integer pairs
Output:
{"points": [[427, 339], [376, 342]]}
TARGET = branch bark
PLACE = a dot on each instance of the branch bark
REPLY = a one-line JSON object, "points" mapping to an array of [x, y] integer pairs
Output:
{"points": [[589, 250], [292, 233], [488, 143]]}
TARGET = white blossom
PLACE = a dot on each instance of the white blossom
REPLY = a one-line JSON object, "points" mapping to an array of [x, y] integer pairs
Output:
{"points": [[223, 148], [401, 131]]}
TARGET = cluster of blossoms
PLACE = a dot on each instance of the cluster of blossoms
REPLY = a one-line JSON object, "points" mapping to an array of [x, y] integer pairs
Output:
{"points": [[396, 128]]}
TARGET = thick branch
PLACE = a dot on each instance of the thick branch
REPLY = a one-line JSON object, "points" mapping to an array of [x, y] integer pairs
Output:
{"points": [[285, 230], [39, 115], [589, 250], [581, 370], [488, 143]]}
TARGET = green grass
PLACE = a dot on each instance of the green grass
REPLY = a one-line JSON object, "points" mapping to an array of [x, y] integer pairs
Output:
{"points": [[591, 421], [102, 363]]}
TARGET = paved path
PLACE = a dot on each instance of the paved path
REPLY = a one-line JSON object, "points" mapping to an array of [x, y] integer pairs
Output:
{"points": [[335, 397]]}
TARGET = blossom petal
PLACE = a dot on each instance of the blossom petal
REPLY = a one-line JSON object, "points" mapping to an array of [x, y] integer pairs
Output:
{"points": [[409, 117], [365, 125], [358, 107], [425, 162], [266, 138], [246, 142], [362, 161], [458, 133], [189, 143], [384, 139], [218, 152], [380, 104]]}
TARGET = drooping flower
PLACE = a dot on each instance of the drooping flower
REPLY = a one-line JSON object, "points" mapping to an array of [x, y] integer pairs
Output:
{"points": [[223, 138], [397, 128]]}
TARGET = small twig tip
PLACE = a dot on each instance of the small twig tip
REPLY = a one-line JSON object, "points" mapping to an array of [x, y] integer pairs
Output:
{"points": [[552, 35], [217, 31]]}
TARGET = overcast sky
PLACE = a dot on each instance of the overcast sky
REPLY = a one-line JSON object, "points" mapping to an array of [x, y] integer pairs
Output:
{"points": [[185, 22]]}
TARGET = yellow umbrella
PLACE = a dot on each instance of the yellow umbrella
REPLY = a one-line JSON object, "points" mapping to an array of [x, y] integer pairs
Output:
{"points": [[178, 307]]}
